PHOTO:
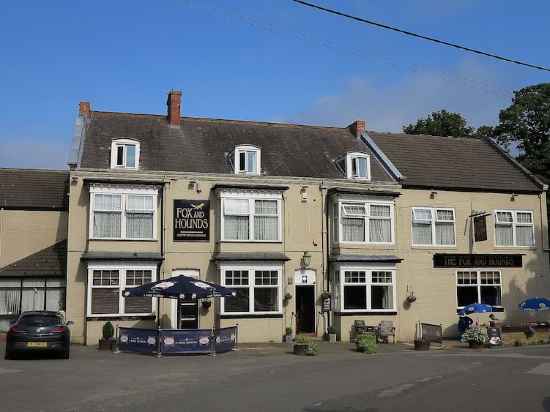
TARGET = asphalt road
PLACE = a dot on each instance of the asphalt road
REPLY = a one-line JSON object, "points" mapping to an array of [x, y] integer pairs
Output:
{"points": [[264, 379]]}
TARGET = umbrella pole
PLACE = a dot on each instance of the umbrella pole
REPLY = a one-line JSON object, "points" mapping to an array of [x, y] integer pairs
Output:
{"points": [[159, 354], [212, 337]]}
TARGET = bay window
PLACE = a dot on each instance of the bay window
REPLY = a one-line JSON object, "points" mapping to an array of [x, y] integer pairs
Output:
{"points": [[257, 288], [433, 226], [251, 219], [365, 289], [22, 294], [365, 222], [106, 282], [514, 228], [473, 286], [123, 212]]}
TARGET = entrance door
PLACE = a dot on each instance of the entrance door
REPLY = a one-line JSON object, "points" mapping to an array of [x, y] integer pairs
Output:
{"points": [[305, 309], [188, 314]]}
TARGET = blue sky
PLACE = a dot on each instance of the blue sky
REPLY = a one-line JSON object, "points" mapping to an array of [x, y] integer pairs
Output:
{"points": [[267, 60]]}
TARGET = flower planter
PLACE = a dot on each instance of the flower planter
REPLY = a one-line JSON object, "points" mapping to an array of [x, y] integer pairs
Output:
{"points": [[421, 345], [107, 344], [332, 337], [301, 349]]}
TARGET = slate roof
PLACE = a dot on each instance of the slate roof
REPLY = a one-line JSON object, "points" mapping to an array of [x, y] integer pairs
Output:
{"points": [[453, 163], [33, 189], [203, 145], [51, 262]]}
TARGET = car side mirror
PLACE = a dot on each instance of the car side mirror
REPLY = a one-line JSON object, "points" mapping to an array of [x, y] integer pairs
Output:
{"points": [[69, 323]]}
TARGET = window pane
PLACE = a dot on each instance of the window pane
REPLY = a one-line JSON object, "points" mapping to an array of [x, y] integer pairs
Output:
{"points": [[444, 233], [503, 217], [360, 167], [445, 215], [9, 299], [265, 207], [353, 229], [266, 228], [422, 215], [355, 297], [380, 230], [524, 236], [105, 300], [238, 303], [381, 277], [236, 206], [130, 156], [524, 217], [32, 299], [236, 277], [354, 209], [266, 277], [355, 277], [137, 305], [236, 228], [139, 225], [490, 295], [120, 156], [55, 299], [242, 161], [265, 300], [140, 203], [107, 202], [138, 277], [251, 162], [504, 235], [466, 295], [467, 278], [422, 234], [490, 278], [381, 297], [380, 211], [107, 224]]}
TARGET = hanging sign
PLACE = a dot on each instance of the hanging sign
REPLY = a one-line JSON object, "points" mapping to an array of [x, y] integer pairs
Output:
{"points": [[480, 228], [456, 260], [191, 220]]}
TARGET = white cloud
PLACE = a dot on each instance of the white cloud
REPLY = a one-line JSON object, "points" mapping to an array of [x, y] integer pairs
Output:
{"points": [[470, 89], [33, 153]]}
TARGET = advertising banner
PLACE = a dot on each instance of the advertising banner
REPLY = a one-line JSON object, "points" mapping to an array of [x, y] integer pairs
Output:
{"points": [[191, 220], [226, 339], [185, 341], [137, 340]]}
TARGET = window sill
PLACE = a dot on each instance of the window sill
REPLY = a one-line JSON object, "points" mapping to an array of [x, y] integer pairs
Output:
{"points": [[117, 239], [251, 241], [251, 316], [366, 313], [515, 247], [120, 317], [433, 247]]}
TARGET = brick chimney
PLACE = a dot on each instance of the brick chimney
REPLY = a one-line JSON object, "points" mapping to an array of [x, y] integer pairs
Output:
{"points": [[358, 127], [174, 107], [84, 109]]}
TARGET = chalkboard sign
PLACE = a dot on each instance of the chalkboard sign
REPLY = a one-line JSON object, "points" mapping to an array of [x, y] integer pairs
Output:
{"points": [[191, 220]]}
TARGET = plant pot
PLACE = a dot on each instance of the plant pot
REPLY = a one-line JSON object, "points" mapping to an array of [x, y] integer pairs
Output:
{"points": [[332, 337], [107, 344], [421, 345], [476, 345], [301, 349]]}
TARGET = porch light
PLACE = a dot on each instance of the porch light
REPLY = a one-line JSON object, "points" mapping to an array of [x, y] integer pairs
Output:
{"points": [[306, 259]]}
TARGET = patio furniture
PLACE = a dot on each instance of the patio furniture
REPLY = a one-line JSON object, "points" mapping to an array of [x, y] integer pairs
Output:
{"points": [[385, 330], [359, 327]]}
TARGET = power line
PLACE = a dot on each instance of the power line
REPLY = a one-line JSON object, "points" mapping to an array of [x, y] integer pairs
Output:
{"points": [[420, 36]]}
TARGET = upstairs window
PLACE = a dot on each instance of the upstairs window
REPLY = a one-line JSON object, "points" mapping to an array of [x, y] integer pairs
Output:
{"points": [[514, 228], [358, 166], [247, 160], [364, 222], [124, 154], [433, 226]]}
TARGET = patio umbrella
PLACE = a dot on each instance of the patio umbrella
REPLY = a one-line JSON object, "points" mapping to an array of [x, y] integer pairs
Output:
{"points": [[535, 304], [476, 308]]}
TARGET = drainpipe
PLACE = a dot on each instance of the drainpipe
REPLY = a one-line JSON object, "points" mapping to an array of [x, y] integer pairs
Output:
{"points": [[324, 245]]}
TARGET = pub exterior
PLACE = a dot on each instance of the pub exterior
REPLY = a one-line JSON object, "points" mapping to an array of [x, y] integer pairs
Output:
{"points": [[311, 226]]}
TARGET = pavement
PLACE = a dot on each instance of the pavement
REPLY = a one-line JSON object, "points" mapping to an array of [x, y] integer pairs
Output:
{"points": [[266, 377]]}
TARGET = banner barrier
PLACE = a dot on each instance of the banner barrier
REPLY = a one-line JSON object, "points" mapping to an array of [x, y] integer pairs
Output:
{"points": [[177, 341]]}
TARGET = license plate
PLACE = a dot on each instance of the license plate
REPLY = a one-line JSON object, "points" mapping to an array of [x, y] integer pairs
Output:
{"points": [[37, 344]]}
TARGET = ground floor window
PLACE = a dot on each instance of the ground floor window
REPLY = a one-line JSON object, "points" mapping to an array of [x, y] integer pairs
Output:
{"points": [[258, 289], [475, 286], [22, 294], [364, 289], [106, 283]]}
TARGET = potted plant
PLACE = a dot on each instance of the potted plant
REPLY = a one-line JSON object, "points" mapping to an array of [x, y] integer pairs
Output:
{"points": [[475, 337], [107, 342], [332, 334], [288, 335], [366, 343], [303, 345]]}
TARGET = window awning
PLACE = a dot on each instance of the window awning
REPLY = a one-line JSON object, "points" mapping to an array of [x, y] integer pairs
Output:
{"points": [[250, 256], [122, 256], [365, 258]]}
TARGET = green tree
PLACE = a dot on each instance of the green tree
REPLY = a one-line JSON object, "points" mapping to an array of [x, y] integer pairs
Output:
{"points": [[442, 123], [526, 124]]}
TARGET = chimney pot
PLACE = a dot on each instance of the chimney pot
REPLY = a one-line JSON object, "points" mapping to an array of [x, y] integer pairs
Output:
{"points": [[358, 127], [174, 107], [84, 109]]}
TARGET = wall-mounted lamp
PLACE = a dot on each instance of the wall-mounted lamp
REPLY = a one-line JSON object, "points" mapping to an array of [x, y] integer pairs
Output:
{"points": [[513, 197], [306, 260], [432, 195], [193, 185]]}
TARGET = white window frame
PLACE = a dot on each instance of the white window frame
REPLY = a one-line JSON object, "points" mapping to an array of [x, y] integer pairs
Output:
{"points": [[252, 197], [434, 220], [114, 149], [366, 204], [252, 284], [124, 192], [350, 158], [478, 283], [245, 148], [367, 284], [514, 224], [122, 267]]}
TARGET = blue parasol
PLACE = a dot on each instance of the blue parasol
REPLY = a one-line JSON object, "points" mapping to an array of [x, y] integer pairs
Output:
{"points": [[475, 308], [184, 287], [535, 304]]}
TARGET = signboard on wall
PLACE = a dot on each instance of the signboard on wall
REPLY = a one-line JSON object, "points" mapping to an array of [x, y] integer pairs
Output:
{"points": [[480, 228], [457, 260], [191, 220], [304, 277]]}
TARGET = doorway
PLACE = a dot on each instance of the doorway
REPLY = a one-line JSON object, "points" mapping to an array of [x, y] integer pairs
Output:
{"points": [[305, 309], [188, 314]]}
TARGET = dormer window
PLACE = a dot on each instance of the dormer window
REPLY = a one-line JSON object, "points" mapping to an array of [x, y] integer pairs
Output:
{"points": [[124, 154], [247, 160], [358, 166]]}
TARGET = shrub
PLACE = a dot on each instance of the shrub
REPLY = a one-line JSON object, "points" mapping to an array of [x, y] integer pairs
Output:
{"points": [[474, 335], [108, 331], [312, 348], [366, 343]]}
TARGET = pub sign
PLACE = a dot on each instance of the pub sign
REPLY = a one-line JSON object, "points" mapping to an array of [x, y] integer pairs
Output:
{"points": [[191, 220], [472, 260]]}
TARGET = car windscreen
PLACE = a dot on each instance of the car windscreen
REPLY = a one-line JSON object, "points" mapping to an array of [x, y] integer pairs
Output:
{"points": [[40, 320]]}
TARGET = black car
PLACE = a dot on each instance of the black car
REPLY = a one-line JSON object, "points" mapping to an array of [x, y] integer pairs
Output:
{"points": [[38, 331]]}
